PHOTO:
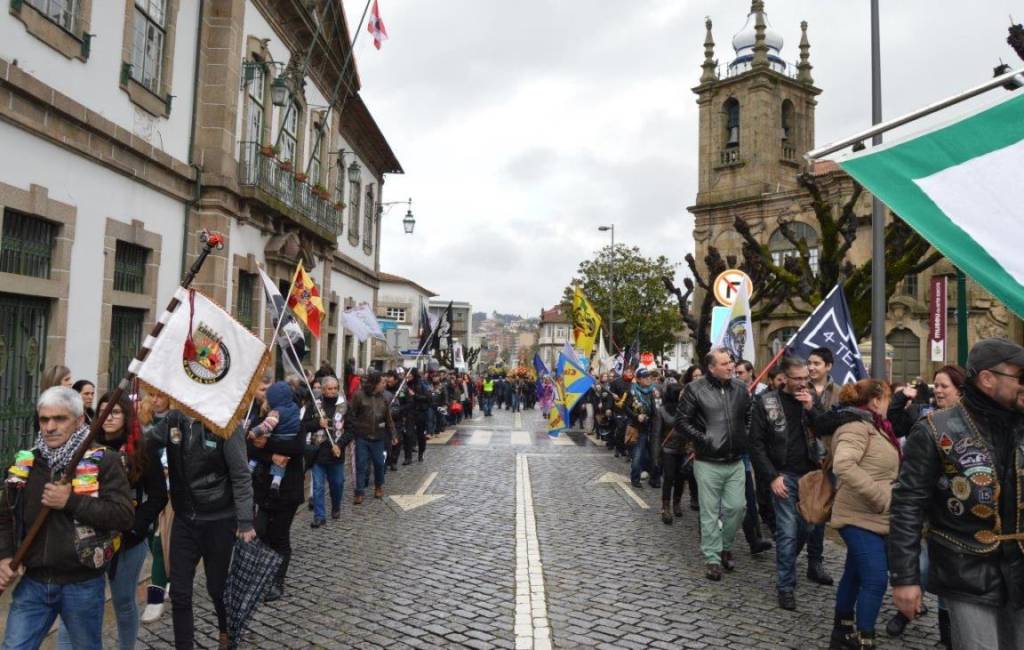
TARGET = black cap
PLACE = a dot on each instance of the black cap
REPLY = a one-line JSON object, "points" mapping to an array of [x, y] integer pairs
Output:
{"points": [[644, 372], [989, 353]]}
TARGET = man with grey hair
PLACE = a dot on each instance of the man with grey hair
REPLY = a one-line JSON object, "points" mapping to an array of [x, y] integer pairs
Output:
{"points": [[713, 414], [328, 461], [64, 568]]}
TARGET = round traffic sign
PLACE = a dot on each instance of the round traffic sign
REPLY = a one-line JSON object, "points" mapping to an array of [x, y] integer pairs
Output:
{"points": [[727, 286]]}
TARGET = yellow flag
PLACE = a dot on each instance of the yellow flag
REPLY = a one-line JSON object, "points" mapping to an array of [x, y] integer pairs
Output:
{"points": [[585, 322]]}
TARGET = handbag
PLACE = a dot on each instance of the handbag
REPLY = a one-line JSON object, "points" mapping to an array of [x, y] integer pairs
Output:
{"points": [[632, 435], [816, 495]]}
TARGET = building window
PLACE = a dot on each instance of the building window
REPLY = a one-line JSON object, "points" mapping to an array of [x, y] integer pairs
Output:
{"points": [[26, 245], [125, 340], [353, 212], [289, 129], [254, 114], [909, 285], [245, 309], [368, 220], [782, 249], [148, 42], [732, 123], [396, 314], [787, 120], [779, 338], [130, 268], [65, 13]]}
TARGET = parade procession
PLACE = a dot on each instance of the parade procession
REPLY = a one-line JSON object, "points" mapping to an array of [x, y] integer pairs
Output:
{"points": [[724, 352]]}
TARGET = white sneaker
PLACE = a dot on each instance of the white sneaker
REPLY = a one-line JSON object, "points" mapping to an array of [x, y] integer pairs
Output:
{"points": [[152, 613]]}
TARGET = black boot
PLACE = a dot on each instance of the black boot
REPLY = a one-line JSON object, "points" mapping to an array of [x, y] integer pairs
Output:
{"points": [[666, 513], [945, 632], [865, 639], [816, 573], [677, 509], [843, 634], [896, 625]]}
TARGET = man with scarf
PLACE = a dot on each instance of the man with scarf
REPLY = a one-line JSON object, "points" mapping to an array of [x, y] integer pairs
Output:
{"points": [[64, 568], [962, 474], [642, 414]]}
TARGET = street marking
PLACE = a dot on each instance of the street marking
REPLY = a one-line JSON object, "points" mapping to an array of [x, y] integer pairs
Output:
{"points": [[409, 502], [481, 437], [522, 438], [517, 420], [562, 440], [532, 628], [592, 437], [441, 438], [623, 482]]}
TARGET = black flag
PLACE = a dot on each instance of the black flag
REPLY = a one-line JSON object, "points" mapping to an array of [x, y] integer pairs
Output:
{"points": [[830, 326]]}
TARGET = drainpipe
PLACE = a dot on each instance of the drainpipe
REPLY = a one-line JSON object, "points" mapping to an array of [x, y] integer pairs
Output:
{"points": [[191, 142]]}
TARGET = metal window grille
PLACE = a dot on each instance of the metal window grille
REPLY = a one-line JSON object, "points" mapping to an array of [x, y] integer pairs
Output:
{"points": [[66, 13], [368, 220], [130, 267], [353, 212], [26, 245], [23, 323], [125, 340], [148, 42], [245, 310]]}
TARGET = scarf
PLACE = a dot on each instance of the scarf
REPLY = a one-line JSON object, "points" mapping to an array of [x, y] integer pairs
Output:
{"points": [[885, 427], [644, 396], [59, 458]]}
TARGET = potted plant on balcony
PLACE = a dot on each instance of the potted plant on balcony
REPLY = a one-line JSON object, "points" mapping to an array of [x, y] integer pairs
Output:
{"points": [[339, 205], [321, 192], [300, 177], [286, 165], [268, 150]]}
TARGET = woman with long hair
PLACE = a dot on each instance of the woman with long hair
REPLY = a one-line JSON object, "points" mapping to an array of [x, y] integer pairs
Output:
{"points": [[121, 432], [152, 410], [87, 390], [55, 376], [866, 461]]}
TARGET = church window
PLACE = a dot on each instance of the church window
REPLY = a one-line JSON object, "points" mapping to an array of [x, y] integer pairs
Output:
{"points": [[787, 120], [781, 248], [732, 122]]}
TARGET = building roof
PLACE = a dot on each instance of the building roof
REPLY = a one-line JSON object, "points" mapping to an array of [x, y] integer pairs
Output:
{"points": [[366, 137], [823, 167], [553, 315], [397, 279]]}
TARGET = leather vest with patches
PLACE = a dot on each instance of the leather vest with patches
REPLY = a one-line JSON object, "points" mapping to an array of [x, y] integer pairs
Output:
{"points": [[776, 417], [968, 490]]}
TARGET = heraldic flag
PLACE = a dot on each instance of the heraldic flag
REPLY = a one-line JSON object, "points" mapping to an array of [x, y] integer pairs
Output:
{"points": [[954, 184], [586, 323], [305, 302], [206, 361], [575, 380], [558, 418], [738, 333]]}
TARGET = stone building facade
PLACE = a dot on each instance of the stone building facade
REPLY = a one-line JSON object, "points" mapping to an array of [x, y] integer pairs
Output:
{"points": [[756, 121], [131, 125]]}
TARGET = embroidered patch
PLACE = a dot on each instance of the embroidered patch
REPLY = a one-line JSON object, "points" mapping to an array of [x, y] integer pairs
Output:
{"points": [[985, 494], [963, 445], [175, 436], [973, 459], [982, 479], [945, 443], [961, 488], [956, 507], [983, 512], [943, 483], [950, 468]]}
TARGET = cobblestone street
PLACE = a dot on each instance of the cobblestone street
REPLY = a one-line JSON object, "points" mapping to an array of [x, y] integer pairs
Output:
{"points": [[443, 572]]}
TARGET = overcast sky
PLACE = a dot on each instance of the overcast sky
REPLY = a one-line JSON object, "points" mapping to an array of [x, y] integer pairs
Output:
{"points": [[522, 126]]}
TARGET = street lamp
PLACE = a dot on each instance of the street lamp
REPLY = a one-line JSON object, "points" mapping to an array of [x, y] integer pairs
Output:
{"points": [[611, 294], [409, 221], [354, 172]]}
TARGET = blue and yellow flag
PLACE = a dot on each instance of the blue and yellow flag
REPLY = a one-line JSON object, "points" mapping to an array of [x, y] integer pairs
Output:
{"points": [[576, 381], [586, 323], [558, 417]]}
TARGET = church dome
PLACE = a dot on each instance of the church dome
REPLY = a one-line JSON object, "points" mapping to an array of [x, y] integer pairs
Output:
{"points": [[744, 40]]}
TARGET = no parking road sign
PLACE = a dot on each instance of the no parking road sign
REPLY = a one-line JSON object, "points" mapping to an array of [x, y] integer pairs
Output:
{"points": [[727, 286]]}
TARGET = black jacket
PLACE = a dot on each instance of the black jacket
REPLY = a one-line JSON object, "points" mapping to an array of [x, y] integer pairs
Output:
{"points": [[769, 447], [713, 414], [322, 454], [947, 483], [150, 494], [209, 475]]}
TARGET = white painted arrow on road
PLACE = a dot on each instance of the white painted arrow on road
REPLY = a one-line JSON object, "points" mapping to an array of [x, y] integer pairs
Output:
{"points": [[409, 502], [623, 482]]}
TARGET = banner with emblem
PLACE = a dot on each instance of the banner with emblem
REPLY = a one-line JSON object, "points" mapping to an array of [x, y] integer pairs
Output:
{"points": [[206, 361]]}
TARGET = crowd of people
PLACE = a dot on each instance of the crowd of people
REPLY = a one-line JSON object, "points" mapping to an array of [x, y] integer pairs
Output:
{"points": [[905, 463]]}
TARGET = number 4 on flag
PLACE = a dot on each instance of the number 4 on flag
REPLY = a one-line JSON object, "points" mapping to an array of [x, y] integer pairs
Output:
{"points": [[376, 27]]}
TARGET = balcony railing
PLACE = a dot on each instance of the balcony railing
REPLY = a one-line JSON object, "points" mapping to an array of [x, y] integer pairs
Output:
{"points": [[730, 156], [271, 175]]}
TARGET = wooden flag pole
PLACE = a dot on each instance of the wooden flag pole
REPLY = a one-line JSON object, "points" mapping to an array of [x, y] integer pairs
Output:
{"points": [[211, 240]]}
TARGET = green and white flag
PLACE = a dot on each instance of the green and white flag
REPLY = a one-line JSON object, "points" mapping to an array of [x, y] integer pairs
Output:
{"points": [[957, 185]]}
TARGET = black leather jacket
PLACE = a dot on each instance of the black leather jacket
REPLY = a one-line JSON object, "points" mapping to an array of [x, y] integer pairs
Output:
{"points": [[714, 415], [947, 481]]}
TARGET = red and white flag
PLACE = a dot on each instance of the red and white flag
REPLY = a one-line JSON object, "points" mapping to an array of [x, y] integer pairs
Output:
{"points": [[376, 27]]}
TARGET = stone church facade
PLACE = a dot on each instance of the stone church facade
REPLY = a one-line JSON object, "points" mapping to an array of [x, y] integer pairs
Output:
{"points": [[756, 121]]}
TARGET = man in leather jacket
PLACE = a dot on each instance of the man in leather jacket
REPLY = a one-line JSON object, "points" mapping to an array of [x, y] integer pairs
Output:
{"points": [[961, 476], [713, 413]]}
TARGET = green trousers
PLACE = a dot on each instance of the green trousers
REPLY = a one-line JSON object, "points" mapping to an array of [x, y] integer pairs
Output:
{"points": [[723, 502]]}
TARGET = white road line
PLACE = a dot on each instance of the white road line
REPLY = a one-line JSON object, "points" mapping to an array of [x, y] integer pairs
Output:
{"points": [[522, 438], [481, 437], [441, 438], [532, 628], [426, 484], [562, 440]]}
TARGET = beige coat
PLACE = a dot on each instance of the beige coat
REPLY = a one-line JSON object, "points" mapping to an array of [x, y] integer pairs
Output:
{"points": [[866, 465]]}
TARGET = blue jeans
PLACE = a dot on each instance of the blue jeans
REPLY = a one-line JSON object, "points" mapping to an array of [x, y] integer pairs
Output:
{"points": [[123, 587], [35, 605], [641, 457], [327, 475], [865, 576], [487, 402], [431, 420], [515, 402], [792, 532], [369, 451]]}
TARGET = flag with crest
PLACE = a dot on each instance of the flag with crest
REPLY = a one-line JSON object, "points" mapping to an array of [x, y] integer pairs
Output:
{"points": [[305, 302]]}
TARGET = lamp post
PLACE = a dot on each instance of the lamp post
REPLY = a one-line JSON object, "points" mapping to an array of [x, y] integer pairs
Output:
{"points": [[409, 221], [611, 294], [878, 302]]}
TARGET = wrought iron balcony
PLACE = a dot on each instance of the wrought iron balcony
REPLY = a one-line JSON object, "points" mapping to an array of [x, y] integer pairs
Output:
{"points": [[294, 198]]}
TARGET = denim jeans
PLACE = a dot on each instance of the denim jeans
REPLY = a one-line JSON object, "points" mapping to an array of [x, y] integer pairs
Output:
{"points": [[865, 576], [982, 627], [515, 402], [431, 421], [720, 490], [641, 457], [35, 605], [368, 451], [487, 403], [332, 475], [792, 533]]}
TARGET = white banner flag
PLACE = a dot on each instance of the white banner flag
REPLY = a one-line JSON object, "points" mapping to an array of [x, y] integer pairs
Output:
{"points": [[365, 314], [354, 324], [206, 361]]}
